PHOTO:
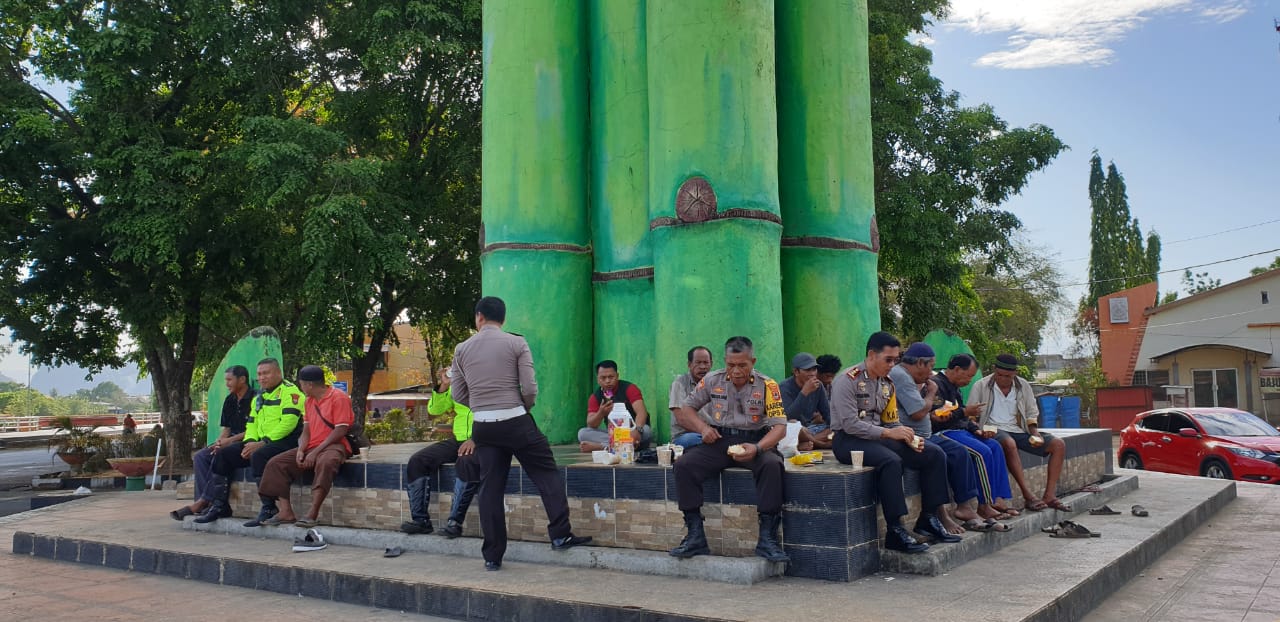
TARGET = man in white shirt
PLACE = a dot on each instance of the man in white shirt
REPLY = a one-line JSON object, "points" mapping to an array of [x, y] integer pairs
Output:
{"points": [[1009, 404]]}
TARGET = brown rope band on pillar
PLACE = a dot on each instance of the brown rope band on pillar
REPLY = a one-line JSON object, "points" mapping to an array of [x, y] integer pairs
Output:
{"points": [[737, 212], [813, 241], [622, 275], [536, 246]]}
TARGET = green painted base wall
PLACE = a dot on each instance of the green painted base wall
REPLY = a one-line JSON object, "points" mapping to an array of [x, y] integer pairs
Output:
{"points": [[624, 330], [545, 303], [261, 342], [714, 281], [830, 301]]}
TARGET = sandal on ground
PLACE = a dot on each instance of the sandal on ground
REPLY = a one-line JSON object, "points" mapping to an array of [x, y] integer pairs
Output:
{"points": [[1057, 504], [307, 523], [1138, 510], [1070, 529], [1036, 506], [394, 551], [275, 521], [1103, 511], [991, 525]]}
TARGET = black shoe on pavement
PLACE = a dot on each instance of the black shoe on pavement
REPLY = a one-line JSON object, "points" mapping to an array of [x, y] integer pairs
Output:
{"points": [[568, 542], [767, 545], [414, 527], [263, 514], [695, 540], [929, 525], [451, 529], [493, 566], [897, 538]]}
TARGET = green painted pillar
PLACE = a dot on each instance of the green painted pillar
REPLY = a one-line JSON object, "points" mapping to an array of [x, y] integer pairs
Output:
{"points": [[622, 281], [825, 175], [535, 252], [713, 139]]}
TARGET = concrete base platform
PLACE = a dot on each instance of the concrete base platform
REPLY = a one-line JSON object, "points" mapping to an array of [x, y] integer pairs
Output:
{"points": [[1038, 578], [740, 570], [942, 558]]}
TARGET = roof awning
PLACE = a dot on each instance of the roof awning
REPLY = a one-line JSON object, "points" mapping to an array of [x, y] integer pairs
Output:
{"points": [[1196, 346]]}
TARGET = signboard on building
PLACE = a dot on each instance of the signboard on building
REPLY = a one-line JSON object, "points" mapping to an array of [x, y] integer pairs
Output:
{"points": [[1119, 308], [1269, 379], [340, 385]]}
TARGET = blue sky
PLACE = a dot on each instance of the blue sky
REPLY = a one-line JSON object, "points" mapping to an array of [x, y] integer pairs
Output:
{"points": [[1183, 95]]}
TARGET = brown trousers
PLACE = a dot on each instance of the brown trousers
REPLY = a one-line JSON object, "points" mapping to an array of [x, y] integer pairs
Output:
{"points": [[283, 469]]}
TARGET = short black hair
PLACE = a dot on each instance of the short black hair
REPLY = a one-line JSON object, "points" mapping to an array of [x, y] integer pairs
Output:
{"points": [[696, 348], [739, 345], [492, 308], [881, 340], [239, 371], [829, 364], [960, 361], [607, 364], [270, 360]]}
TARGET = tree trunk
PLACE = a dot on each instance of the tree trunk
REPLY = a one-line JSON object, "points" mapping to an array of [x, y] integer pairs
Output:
{"points": [[363, 366], [171, 377]]}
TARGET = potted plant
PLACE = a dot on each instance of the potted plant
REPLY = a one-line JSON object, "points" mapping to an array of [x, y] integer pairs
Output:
{"points": [[133, 455], [75, 445]]}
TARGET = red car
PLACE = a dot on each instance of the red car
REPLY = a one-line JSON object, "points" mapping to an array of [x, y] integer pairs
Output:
{"points": [[1224, 443]]}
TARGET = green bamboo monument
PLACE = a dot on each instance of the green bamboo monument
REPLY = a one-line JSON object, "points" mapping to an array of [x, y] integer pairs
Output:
{"points": [[659, 174]]}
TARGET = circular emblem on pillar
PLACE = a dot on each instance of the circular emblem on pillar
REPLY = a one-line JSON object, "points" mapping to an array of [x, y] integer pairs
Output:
{"points": [[695, 201]]}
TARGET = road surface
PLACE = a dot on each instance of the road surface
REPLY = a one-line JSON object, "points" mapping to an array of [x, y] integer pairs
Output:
{"points": [[18, 466]]}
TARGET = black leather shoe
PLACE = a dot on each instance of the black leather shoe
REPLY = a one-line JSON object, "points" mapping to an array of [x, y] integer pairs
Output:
{"points": [[929, 525], [414, 527], [492, 566], [897, 538], [451, 529], [561, 544], [263, 514]]}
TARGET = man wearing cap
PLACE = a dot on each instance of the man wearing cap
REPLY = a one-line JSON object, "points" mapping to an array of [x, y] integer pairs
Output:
{"points": [[610, 390], [746, 407], [425, 464], [864, 414], [1011, 408], [699, 361], [805, 400], [322, 448], [916, 393], [273, 428], [493, 376]]}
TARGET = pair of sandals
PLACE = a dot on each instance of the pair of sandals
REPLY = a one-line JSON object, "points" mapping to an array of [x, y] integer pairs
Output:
{"points": [[989, 525], [1070, 529], [1106, 510]]}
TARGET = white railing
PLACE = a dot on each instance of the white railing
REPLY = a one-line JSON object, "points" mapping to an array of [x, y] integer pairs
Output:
{"points": [[17, 423]]}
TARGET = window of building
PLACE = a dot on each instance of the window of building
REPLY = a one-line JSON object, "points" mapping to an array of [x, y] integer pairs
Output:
{"points": [[1154, 378], [1215, 387]]}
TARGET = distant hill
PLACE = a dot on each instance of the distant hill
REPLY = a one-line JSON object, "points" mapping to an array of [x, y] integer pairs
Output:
{"points": [[69, 379], [4, 378]]}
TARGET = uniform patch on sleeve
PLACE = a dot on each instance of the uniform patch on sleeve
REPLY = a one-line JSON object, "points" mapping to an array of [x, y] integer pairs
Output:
{"points": [[773, 401], [295, 398]]}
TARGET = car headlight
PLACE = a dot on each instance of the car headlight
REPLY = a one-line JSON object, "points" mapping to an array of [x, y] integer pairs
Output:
{"points": [[1248, 453]]}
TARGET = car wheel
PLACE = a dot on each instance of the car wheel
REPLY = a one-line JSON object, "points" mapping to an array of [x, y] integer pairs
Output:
{"points": [[1131, 461], [1216, 469]]}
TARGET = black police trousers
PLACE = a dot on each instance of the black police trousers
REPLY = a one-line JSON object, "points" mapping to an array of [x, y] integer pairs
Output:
{"points": [[496, 443], [228, 459], [702, 461], [889, 457]]}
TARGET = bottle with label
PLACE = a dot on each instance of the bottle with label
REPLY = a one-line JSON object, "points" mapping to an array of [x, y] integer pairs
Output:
{"points": [[624, 447], [619, 417]]}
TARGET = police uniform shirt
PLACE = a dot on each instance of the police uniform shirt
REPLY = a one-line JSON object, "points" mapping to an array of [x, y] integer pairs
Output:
{"points": [[493, 370], [756, 405], [863, 406]]}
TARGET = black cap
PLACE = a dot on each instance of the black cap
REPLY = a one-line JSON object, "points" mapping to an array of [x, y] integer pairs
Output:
{"points": [[1007, 362], [311, 373], [803, 360]]}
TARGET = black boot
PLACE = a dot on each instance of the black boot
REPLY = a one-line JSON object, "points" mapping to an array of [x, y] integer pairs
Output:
{"points": [[419, 499], [695, 540], [897, 538], [767, 545], [268, 510], [220, 492], [463, 493]]}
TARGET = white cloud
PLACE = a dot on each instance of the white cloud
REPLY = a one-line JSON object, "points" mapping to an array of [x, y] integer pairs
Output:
{"points": [[1047, 33]]}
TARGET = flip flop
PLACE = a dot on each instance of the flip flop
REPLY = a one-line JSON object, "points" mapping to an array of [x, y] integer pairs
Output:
{"points": [[1037, 506], [1103, 511], [972, 524], [276, 521], [1008, 511], [990, 526], [307, 523], [1057, 504], [394, 551], [1002, 516], [1070, 529], [1140, 511]]}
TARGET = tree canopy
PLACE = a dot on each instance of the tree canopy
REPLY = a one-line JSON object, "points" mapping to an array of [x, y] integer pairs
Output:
{"points": [[1118, 258]]}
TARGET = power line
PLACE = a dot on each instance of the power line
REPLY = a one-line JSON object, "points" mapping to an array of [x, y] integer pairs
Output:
{"points": [[1125, 278], [1198, 237]]}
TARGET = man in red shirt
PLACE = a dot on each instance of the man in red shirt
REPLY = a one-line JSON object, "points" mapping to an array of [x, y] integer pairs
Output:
{"points": [[595, 436], [322, 448]]}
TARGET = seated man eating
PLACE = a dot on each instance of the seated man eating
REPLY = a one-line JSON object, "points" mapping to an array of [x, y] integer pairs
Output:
{"points": [[322, 448], [611, 389]]}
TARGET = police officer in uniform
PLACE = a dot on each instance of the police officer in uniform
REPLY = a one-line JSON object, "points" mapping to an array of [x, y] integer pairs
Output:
{"points": [[273, 427], [864, 414], [493, 376], [746, 408]]}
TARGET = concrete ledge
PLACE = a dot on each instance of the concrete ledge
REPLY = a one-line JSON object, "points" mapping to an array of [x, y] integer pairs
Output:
{"points": [[739, 570], [942, 558]]}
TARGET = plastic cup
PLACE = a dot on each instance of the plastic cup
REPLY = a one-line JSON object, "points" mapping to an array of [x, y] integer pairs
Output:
{"points": [[664, 455], [855, 459]]}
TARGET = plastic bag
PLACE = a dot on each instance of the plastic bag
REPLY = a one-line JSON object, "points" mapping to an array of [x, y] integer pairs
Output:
{"points": [[789, 442]]}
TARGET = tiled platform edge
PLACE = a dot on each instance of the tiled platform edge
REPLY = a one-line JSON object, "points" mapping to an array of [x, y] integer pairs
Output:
{"points": [[831, 523]]}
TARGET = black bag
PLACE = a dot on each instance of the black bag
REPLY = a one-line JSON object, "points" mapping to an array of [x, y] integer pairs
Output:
{"points": [[355, 432], [647, 456]]}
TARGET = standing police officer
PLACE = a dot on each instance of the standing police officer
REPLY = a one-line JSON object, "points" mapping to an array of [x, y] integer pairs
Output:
{"points": [[493, 376], [746, 407], [864, 413], [273, 428]]}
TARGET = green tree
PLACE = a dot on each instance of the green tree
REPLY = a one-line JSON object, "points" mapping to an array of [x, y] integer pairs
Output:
{"points": [[1118, 257], [125, 206], [1197, 282], [1019, 301], [941, 172], [1274, 265]]}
